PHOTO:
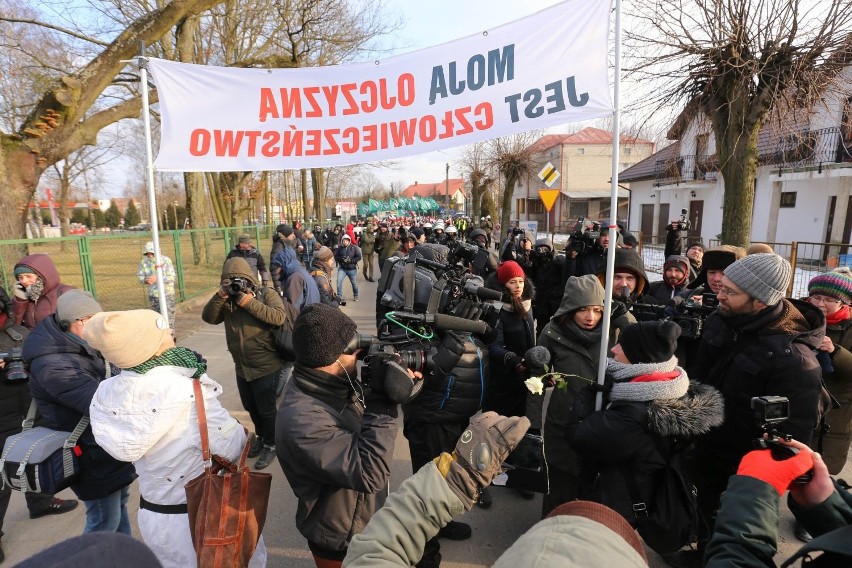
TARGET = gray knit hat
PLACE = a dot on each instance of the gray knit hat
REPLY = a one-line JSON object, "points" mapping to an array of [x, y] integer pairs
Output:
{"points": [[762, 276], [76, 304]]}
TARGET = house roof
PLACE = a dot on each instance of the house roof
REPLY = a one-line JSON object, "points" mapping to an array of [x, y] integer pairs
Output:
{"points": [[432, 189], [647, 168], [586, 136]]}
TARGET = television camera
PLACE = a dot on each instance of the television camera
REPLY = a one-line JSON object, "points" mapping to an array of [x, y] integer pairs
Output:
{"points": [[583, 236], [687, 313]]}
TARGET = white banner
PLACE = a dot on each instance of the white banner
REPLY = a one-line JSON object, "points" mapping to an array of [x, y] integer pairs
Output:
{"points": [[544, 70]]}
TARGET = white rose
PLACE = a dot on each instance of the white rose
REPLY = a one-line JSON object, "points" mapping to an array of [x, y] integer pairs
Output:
{"points": [[534, 385]]}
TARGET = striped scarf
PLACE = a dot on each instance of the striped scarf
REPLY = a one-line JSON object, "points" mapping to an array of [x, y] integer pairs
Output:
{"points": [[175, 357]]}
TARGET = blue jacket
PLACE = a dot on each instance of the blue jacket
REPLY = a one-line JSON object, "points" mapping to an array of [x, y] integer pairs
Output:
{"points": [[298, 285], [64, 375]]}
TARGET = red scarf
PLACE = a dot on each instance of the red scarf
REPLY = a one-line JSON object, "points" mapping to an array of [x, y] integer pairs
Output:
{"points": [[656, 376], [840, 315]]}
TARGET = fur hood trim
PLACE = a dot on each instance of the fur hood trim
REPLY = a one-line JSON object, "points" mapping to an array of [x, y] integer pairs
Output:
{"points": [[695, 413]]}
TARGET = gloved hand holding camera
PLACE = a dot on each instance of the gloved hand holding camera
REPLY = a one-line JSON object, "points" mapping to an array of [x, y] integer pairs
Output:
{"points": [[391, 384]]}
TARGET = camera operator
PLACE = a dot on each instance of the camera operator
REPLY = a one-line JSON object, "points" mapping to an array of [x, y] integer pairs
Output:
{"points": [[592, 259], [479, 238], [335, 435], [250, 313], [676, 234], [546, 273], [523, 254], [756, 343]]}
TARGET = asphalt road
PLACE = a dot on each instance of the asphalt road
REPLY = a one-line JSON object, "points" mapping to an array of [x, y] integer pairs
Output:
{"points": [[493, 530]]}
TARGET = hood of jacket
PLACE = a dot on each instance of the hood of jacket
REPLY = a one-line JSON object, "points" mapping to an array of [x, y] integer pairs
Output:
{"points": [[795, 319], [238, 267], [288, 262], [693, 414], [43, 267], [580, 292], [630, 260]]}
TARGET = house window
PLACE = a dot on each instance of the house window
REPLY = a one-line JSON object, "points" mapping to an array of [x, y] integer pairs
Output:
{"points": [[536, 206], [521, 205], [788, 199], [578, 209], [581, 151], [627, 150]]}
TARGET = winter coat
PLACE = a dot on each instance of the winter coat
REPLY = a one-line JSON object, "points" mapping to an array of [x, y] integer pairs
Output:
{"points": [[310, 246], [299, 288], [457, 395], [591, 261], [660, 292], [835, 443], [150, 419], [506, 392], [745, 533], [248, 327], [382, 240], [321, 273], [397, 534], [573, 351], [28, 313], [770, 353], [367, 242], [255, 260], [546, 274], [147, 268], [14, 396], [336, 456], [64, 374], [623, 439], [347, 257]]}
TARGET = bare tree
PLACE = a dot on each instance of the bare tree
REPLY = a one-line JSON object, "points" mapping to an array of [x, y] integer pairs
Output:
{"points": [[736, 61], [474, 161], [512, 157]]}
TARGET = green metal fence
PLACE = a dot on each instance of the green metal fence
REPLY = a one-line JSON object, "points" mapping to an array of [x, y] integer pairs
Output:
{"points": [[106, 264]]}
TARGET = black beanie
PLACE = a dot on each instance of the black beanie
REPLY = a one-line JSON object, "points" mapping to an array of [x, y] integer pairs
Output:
{"points": [[649, 341], [320, 335]]}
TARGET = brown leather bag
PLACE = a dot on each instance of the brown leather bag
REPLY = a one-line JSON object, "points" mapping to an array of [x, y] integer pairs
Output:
{"points": [[226, 504]]}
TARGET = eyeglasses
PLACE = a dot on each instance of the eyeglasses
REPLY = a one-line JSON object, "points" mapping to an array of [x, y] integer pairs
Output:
{"points": [[823, 300], [728, 292]]}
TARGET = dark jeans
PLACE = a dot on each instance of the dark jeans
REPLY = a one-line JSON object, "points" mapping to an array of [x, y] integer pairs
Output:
{"points": [[258, 398]]}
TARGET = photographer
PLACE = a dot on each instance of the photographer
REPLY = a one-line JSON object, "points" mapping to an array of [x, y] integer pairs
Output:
{"points": [[335, 436], [676, 234], [250, 313], [583, 257], [479, 238], [756, 343], [546, 273], [347, 256]]}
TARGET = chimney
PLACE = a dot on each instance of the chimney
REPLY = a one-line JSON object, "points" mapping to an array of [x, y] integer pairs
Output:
{"points": [[415, 183]]}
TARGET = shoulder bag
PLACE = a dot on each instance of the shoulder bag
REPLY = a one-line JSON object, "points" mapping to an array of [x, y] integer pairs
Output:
{"points": [[227, 503]]}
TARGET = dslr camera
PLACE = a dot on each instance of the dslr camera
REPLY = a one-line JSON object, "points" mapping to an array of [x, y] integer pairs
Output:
{"points": [[517, 231], [15, 370], [237, 286], [770, 412], [583, 236], [683, 223]]}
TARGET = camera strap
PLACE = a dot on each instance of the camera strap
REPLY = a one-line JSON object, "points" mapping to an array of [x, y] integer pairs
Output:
{"points": [[408, 277], [435, 295]]}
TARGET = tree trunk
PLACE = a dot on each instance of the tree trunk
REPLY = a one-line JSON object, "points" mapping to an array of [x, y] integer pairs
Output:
{"points": [[318, 179], [306, 210], [508, 191], [738, 165], [64, 191]]}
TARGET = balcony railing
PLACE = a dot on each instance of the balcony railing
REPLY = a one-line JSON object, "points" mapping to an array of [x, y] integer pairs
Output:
{"points": [[686, 168], [810, 149]]}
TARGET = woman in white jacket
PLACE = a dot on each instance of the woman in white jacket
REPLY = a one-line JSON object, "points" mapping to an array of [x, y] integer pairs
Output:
{"points": [[146, 415]]}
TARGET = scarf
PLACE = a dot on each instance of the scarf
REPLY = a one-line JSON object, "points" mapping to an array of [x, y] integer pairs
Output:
{"points": [[647, 381], [175, 357], [840, 315]]}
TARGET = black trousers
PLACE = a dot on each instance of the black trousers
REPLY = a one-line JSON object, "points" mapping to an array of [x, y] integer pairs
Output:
{"points": [[258, 398], [35, 502]]}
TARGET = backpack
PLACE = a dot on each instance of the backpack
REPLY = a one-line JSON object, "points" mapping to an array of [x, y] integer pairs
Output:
{"points": [[283, 334], [668, 519]]}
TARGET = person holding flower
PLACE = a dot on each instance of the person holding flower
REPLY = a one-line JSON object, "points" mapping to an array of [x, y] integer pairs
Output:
{"points": [[573, 338]]}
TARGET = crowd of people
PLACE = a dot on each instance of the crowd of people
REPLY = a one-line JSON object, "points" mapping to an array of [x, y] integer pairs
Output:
{"points": [[688, 356]]}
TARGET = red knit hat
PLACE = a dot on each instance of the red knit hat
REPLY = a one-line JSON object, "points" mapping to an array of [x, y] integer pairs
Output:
{"points": [[508, 270]]}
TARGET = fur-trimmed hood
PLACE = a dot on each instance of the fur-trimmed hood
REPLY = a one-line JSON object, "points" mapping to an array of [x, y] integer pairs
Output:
{"points": [[695, 413]]}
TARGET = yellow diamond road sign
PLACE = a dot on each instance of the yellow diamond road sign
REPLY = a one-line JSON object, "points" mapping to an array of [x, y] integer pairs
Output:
{"points": [[549, 174], [548, 197]]}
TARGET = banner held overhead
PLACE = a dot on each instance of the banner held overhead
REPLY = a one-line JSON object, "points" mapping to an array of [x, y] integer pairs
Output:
{"points": [[510, 79]]}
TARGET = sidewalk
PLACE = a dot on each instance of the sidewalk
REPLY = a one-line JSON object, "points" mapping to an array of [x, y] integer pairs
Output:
{"points": [[493, 530]]}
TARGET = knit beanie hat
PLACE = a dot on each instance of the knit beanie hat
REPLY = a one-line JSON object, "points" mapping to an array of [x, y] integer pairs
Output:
{"points": [[24, 269], [76, 304], [244, 238], [835, 284], [722, 257], [323, 254], [285, 229], [649, 341], [417, 232], [695, 245], [508, 270], [320, 335], [128, 338], [761, 276], [677, 261]]}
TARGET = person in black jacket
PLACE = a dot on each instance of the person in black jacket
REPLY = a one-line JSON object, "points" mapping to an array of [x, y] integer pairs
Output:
{"points": [[245, 250], [592, 260], [675, 275], [755, 344], [65, 372], [546, 273]]}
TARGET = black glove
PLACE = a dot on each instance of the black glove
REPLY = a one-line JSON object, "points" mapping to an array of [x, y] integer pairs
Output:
{"points": [[467, 310], [377, 400], [511, 360], [449, 352], [479, 454]]}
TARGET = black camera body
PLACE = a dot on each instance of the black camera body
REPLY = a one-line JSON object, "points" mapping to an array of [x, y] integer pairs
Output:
{"points": [[689, 315], [770, 412], [237, 286], [15, 369], [583, 236], [517, 231]]}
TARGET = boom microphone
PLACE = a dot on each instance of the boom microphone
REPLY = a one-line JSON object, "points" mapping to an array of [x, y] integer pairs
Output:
{"points": [[488, 294], [443, 322]]}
